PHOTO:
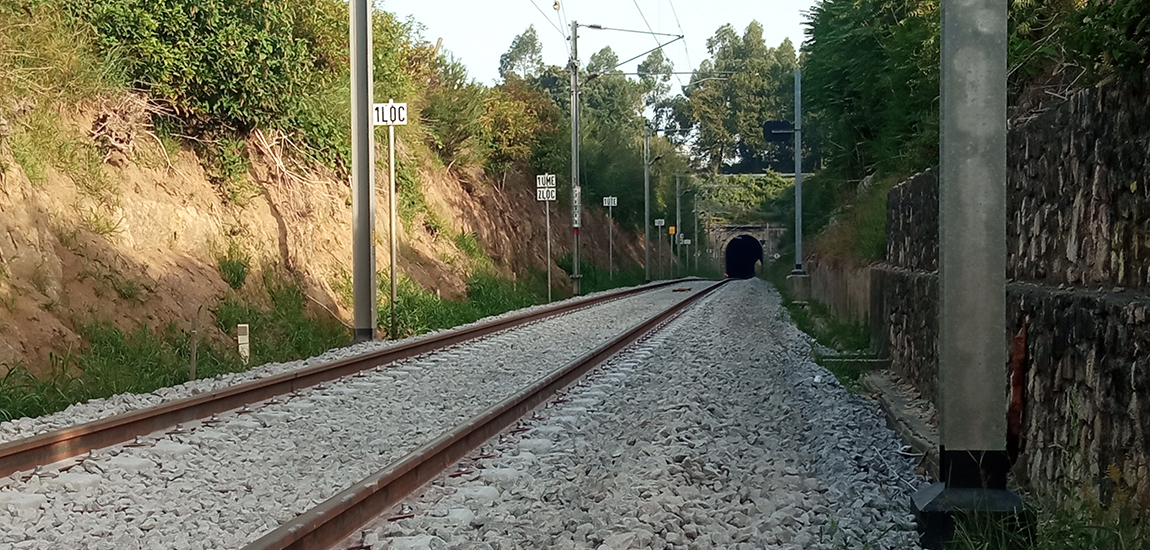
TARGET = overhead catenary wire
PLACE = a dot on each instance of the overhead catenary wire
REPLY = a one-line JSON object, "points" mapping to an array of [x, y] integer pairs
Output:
{"points": [[686, 50], [552, 23], [653, 33], [549, 21]]}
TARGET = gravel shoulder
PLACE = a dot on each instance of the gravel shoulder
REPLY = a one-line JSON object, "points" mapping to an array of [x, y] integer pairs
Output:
{"points": [[718, 432]]}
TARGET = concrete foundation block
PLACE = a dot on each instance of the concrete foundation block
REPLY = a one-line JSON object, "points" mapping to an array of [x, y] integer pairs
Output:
{"points": [[799, 286]]}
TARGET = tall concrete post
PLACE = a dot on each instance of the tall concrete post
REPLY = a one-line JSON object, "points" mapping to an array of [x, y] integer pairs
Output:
{"points": [[647, 202], [972, 336], [798, 282], [695, 240], [576, 202], [677, 237], [798, 172], [362, 173]]}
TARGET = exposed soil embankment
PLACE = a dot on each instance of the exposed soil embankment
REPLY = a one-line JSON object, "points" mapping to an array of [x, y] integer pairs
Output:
{"points": [[132, 231]]}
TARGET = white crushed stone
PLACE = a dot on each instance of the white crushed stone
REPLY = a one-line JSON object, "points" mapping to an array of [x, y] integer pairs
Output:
{"points": [[718, 432], [226, 481]]}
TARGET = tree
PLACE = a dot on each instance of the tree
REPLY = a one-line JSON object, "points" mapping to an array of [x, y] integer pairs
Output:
{"points": [[525, 57], [655, 76], [743, 84]]}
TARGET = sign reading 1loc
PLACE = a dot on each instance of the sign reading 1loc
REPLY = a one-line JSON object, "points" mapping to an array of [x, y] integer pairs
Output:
{"points": [[389, 114], [611, 201], [659, 222], [545, 194]]}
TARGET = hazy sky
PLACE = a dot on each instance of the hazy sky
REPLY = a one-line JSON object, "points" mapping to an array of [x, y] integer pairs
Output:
{"points": [[479, 31]]}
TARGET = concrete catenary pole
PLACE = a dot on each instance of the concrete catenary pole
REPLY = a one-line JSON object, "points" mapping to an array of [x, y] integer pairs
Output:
{"points": [[798, 171], [678, 236], [393, 228], [610, 242], [576, 206], [973, 461], [695, 240], [362, 173], [647, 202]]}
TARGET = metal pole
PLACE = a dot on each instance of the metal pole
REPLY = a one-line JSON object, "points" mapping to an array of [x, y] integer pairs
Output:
{"points": [[610, 243], [647, 201], [362, 173], [394, 228], [971, 271], [547, 208], [798, 171], [576, 207], [696, 239], [677, 238], [662, 268]]}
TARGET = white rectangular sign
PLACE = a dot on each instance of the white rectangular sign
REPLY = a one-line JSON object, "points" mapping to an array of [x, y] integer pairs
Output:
{"points": [[686, 241], [611, 201], [576, 206], [545, 180], [545, 194], [389, 114], [660, 222]]}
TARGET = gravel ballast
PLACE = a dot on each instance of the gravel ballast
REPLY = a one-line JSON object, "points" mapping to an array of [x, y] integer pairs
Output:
{"points": [[226, 481], [718, 432]]}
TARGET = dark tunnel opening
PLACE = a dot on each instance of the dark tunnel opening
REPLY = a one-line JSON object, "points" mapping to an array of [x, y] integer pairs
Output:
{"points": [[742, 253]]}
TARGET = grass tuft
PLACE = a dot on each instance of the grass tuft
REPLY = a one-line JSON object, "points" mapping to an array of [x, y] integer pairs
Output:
{"points": [[234, 266], [1079, 523]]}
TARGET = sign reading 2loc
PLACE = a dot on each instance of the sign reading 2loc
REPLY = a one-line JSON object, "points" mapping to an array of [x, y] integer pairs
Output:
{"points": [[389, 114]]}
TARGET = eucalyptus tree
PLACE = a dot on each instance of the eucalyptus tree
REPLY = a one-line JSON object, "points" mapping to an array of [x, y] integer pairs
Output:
{"points": [[741, 85], [525, 57]]}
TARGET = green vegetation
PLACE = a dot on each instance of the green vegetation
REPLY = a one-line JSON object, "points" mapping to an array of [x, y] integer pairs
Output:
{"points": [[871, 71], [419, 310], [285, 331], [743, 84], [1078, 523], [595, 278], [860, 231], [114, 362], [234, 266], [140, 361]]}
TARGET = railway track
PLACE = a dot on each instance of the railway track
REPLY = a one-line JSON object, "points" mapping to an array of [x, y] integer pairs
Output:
{"points": [[65, 443], [284, 400]]}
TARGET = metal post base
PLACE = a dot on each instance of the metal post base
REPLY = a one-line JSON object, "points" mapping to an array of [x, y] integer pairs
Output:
{"points": [[974, 488], [363, 335], [936, 507]]}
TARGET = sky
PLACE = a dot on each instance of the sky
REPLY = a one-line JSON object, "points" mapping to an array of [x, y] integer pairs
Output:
{"points": [[477, 32]]}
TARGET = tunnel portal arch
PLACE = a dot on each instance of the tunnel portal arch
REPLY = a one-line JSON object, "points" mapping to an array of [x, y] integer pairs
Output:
{"points": [[742, 253]]}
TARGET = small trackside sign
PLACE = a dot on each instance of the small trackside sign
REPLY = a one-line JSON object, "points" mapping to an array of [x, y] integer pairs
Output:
{"points": [[389, 114]]}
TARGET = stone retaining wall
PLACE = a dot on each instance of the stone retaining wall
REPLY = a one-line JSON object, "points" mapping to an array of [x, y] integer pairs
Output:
{"points": [[1078, 261]]}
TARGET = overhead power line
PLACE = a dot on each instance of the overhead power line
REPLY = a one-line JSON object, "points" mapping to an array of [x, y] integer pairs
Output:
{"points": [[652, 31], [552, 23], [686, 50]]}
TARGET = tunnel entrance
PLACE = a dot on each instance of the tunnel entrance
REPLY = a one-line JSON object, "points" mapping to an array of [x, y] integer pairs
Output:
{"points": [[742, 253]]}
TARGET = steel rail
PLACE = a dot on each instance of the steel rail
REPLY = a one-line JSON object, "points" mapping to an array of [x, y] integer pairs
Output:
{"points": [[26, 454], [341, 515]]}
